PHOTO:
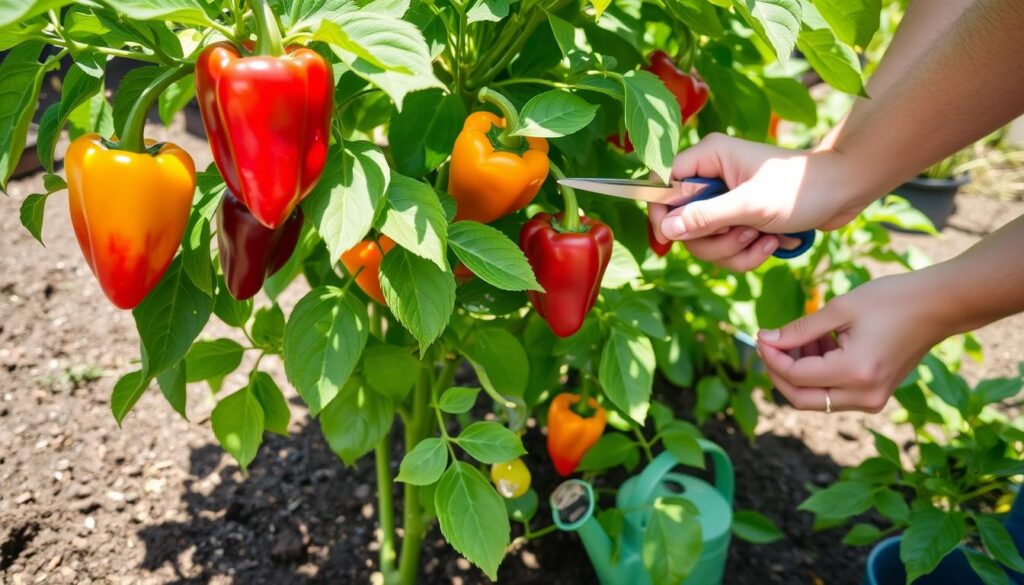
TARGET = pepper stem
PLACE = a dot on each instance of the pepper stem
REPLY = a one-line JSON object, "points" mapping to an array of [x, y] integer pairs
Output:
{"points": [[508, 111], [133, 139], [571, 215], [268, 35], [582, 407]]}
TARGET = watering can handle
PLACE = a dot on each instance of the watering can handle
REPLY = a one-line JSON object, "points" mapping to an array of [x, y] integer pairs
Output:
{"points": [[666, 462]]}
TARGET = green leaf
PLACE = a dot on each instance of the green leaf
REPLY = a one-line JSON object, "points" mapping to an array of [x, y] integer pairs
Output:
{"points": [[472, 517], [425, 463], [126, 393], [330, 32], [791, 100], [523, 508], [415, 219], [492, 256], [355, 421], [712, 396], [853, 21], [999, 543], [862, 534], [738, 102], [393, 42], [840, 500], [390, 370], [499, 359], [458, 400], [213, 359], [487, 10], [130, 90], [237, 422], [490, 442], [652, 120], [755, 527], [744, 411], [673, 358], [276, 414], [672, 541], [698, 15], [564, 33], [932, 535], [95, 115], [627, 372], [611, 450], [195, 252], [268, 328], [170, 318], [21, 76], [14, 11], [995, 389], [32, 211], [346, 199], [229, 310], [642, 314], [83, 80], [683, 447], [950, 387], [554, 113], [421, 296], [836, 63], [987, 569], [175, 98], [422, 135], [183, 11], [173, 387], [48, 134], [622, 268], [781, 300], [323, 340], [777, 22], [886, 447], [891, 504]]}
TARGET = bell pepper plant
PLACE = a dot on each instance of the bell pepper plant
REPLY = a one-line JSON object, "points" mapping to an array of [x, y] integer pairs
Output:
{"points": [[375, 147]]}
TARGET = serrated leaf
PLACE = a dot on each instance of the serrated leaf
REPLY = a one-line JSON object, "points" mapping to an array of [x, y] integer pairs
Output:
{"points": [[554, 113], [775, 21], [420, 295], [492, 256], [472, 517], [237, 422], [490, 442], [425, 464], [323, 340], [346, 199]]}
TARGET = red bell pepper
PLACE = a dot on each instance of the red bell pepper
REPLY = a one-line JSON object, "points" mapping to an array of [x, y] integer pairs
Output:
{"points": [[249, 251], [268, 120], [569, 265], [689, 89], [656, 246]]}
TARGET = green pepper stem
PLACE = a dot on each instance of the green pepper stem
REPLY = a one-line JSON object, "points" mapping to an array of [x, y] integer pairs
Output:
{"points": [[508, 111], [571, 215], [133, 139], [582, 407], [268, 35]]}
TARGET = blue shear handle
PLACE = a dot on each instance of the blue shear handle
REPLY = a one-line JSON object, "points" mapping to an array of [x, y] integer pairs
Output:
{"points": [[716, 187]]}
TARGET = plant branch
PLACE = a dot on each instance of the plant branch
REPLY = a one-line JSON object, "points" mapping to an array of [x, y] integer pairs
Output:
{"points": [[132, 139], [386, 505]]}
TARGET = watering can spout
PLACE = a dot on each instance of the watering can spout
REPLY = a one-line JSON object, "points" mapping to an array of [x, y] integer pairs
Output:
{"points": [[572, 509]]}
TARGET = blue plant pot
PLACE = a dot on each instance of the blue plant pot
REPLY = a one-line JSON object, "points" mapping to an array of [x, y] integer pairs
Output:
{"points": [[886, 568]]}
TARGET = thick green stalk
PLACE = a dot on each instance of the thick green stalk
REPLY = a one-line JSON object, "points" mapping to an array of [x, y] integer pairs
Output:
{"points": [[571, 215], [412, 514], [386, 514], [508, 111], [133, 139], [268, 35]]}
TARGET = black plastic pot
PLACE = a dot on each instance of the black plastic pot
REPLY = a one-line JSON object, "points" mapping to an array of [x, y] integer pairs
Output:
{"points": [[936, 198]]}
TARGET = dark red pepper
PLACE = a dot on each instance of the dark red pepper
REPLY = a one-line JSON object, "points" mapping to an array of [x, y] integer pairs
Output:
{"points": [[689, 89], [569, 265], [249, 251], [656, 246], [268, 122]]}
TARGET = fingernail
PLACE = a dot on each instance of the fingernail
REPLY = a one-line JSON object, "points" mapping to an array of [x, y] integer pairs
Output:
{"points": [[768, 334], [748, 235], [771, 245], [673, 228]]}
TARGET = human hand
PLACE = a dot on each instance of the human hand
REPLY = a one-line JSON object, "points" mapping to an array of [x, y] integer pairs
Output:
{"points": [[860, 346], [773, 191]]}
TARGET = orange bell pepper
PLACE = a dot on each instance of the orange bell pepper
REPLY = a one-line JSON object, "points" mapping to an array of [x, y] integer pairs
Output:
{"points": [[129, 211], [364, 260], [487, 182], [571, 435]]}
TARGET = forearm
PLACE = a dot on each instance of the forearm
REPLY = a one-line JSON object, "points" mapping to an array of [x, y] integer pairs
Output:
{"points": [[922, 26], [982, 285], [965, 86]]}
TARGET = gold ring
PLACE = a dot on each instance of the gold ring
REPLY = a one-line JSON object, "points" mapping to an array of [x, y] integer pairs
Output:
{"points": [[828, 401]]}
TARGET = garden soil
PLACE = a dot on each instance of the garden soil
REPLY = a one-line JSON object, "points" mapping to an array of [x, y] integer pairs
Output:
{"points": [[157, 501]]}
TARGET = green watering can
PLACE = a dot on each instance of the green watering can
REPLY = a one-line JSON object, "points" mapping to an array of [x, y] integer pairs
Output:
{"points": [[572, 507]]}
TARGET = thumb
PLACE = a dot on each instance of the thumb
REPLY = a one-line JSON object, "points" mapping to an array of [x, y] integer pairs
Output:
{"points": [[806, 329], [704, 218]]}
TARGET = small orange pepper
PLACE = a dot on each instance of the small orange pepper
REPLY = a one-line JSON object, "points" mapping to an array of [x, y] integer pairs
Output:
{"points": [[571, 435], [364, 260]]}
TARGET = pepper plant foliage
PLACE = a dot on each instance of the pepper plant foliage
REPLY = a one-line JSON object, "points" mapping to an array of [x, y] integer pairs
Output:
{"points": [[406, 75]]}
